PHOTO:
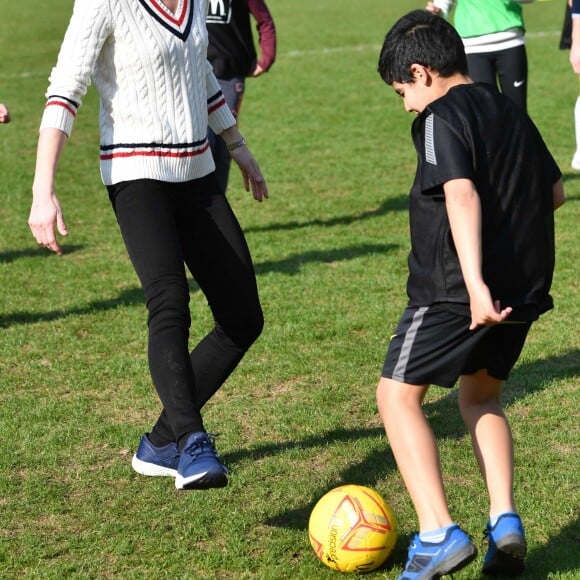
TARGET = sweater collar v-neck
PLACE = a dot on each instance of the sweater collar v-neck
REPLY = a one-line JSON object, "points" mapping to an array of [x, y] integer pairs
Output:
{"points": [[178, 23]]}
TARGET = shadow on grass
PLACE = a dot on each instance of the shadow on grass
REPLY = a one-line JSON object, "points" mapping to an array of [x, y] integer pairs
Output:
{"points": [[128, 297], [291, 265], [400, 203], [13, 255], [562, 551]]}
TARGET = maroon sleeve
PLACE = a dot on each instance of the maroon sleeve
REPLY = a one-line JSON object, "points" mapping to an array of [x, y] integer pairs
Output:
{"points": [[266, 32]]}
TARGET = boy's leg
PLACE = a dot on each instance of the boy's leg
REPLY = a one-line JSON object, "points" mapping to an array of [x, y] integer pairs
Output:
{"points": [[479, 401], [480, 387], [430, 345], [441, 547], [415, 450], [482, 412]]}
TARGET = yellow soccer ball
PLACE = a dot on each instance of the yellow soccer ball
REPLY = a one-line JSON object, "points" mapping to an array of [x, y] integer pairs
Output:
{"points": [[352, 529]]}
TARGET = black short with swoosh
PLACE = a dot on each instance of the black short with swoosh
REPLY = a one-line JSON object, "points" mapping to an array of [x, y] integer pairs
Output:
{"points": [[433, 345]]}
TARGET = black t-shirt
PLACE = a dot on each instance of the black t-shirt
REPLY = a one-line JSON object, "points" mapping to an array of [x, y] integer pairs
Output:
{"points": [[231, 49], [473, 132]]}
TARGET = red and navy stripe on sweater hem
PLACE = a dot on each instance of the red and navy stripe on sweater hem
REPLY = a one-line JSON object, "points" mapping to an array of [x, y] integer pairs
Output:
{"points": [[179, 150]]}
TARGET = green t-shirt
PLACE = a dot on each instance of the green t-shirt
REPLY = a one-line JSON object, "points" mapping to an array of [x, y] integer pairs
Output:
{"points": [[479, 17]]}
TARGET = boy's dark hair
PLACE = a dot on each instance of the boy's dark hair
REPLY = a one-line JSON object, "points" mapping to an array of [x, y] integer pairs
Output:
{"points": [[421, 37]]}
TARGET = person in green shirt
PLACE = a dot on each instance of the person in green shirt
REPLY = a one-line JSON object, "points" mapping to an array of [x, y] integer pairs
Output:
{"points": [[493, 36]]}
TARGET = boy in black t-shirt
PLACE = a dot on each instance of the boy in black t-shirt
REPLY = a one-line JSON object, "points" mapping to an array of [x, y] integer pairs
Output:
{"points": [[480, 270]]}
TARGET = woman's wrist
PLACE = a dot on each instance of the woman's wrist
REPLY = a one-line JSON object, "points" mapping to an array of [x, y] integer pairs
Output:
{"points": [[233, 138], [241, 142]]}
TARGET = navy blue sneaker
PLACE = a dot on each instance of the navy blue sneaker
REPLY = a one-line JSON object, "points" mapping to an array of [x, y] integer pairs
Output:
{"points": [[428, 561], [155, 461], [507, 546], [199, 466]]}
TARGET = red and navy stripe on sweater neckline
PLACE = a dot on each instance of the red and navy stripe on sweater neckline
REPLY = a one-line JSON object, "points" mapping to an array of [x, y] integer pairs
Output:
{"points": [[178, 23]]}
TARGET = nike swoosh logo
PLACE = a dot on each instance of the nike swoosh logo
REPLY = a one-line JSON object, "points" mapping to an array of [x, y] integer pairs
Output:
{"points": [[518, 83]]}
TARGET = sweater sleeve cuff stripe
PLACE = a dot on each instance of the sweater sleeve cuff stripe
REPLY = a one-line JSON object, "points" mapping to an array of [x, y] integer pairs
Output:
{"points": [[59, 114]]}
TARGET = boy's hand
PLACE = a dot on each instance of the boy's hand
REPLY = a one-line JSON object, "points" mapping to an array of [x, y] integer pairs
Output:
{"points": [[484, 310]]}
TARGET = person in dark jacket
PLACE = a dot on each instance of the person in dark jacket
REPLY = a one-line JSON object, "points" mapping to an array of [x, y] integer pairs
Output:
{"points": [[233, 55]]}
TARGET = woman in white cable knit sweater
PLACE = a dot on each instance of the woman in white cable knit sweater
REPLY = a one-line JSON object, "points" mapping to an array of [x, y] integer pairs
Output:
{"points": [[158, 94]]}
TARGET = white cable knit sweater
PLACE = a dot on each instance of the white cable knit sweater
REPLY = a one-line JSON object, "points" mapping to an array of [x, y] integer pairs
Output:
{"points": [[157, 90]]}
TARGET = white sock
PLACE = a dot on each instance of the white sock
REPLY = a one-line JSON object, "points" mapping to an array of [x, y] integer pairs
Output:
{"points": [[493, 520], [435, 536]]}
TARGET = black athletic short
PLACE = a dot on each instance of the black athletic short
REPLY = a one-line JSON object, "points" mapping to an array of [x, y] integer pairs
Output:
{"points": [[433, 345]]}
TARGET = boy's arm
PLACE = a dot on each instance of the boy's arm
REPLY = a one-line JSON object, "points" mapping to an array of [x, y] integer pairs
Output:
{"points": [[558, 194], [464, 213]]}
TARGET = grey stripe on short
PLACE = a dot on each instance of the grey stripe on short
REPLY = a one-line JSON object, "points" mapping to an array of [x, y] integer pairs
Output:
{"points": [[400, 369]]}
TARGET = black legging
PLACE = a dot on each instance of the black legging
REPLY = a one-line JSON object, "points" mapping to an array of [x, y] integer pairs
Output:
{"points": [[165, 225], [508, 67]]}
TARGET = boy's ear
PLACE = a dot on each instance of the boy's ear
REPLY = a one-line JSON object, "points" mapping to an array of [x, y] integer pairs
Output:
{"points": [[421, 74]]}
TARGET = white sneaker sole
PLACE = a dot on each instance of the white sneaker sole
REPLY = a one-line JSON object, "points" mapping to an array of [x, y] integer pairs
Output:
{"points": [[150, 469], [201, 481]]}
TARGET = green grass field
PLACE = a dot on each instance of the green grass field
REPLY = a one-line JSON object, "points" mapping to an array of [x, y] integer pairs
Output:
{"points": [[298, 416]]}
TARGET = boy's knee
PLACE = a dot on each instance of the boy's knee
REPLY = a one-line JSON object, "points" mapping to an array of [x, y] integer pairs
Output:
{"points": [[382, 388], [479, 388], [392, 394], [387, 391]]}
